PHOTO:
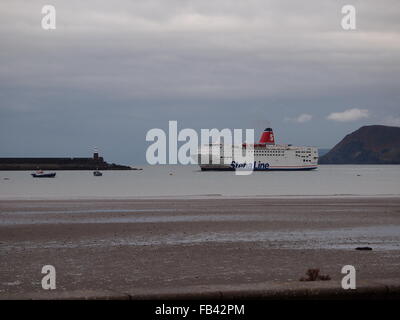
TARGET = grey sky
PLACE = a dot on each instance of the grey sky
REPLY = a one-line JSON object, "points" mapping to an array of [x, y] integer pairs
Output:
{"points": [[112, 70]]}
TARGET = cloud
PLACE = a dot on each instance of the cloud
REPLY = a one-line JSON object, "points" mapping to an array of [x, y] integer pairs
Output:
{"points": [[304, 117], [116, 71], [198, 49], [349, 115], [392, 121]]}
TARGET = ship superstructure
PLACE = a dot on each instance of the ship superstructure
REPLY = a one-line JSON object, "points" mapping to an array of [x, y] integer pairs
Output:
{"points": [[265, 155]]}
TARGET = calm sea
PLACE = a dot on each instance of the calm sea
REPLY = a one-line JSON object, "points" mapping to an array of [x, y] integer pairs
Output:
{"points": [[189, 181]]}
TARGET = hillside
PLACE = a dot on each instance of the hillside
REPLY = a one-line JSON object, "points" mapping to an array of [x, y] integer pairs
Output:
{"points": [[368, 145]]}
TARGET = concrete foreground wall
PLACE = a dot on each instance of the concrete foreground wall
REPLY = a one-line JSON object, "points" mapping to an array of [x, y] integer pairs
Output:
{"points": [[376, 289]]}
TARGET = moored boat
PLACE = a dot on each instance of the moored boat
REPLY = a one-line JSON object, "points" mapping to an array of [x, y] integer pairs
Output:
{"points": [[41, 174]]}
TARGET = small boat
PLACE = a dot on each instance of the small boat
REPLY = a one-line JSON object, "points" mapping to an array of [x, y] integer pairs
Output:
{"points": [[97, 173], [41, 174]]}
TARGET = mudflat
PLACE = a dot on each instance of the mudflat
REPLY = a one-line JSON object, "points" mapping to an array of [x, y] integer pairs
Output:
{"points": [[153, 244]]}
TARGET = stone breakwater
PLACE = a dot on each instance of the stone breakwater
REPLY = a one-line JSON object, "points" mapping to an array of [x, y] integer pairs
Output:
{"points": [[59, 164]]}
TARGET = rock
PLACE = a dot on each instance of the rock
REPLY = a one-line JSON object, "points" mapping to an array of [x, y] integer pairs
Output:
{"points": [[313, 275]]}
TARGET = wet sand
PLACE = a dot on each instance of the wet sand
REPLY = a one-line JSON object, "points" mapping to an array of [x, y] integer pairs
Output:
{"points": [[155, 244]]}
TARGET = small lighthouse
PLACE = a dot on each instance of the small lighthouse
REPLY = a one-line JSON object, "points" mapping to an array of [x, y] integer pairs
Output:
{"points": [[96, 154]]}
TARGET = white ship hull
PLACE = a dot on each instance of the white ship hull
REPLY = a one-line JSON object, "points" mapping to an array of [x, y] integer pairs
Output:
{"points": [[263, 156]]}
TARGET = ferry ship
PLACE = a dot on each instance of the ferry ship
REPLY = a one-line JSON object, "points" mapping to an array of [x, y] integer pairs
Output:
{"points": [[265, 156]]}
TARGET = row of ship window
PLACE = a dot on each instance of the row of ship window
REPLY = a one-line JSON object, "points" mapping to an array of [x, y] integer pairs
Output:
{"points": [[270, 153]]}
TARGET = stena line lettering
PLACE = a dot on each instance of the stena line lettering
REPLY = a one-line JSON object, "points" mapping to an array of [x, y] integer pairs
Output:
{"points": [[261, 166], [244, 165], [250, 166]]}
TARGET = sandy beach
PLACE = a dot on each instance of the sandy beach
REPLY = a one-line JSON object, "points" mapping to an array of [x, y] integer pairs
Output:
{"points": [[153, 244]]}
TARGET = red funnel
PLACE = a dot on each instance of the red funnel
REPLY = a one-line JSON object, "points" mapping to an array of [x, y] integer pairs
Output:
{"points": [[267, 137]]}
